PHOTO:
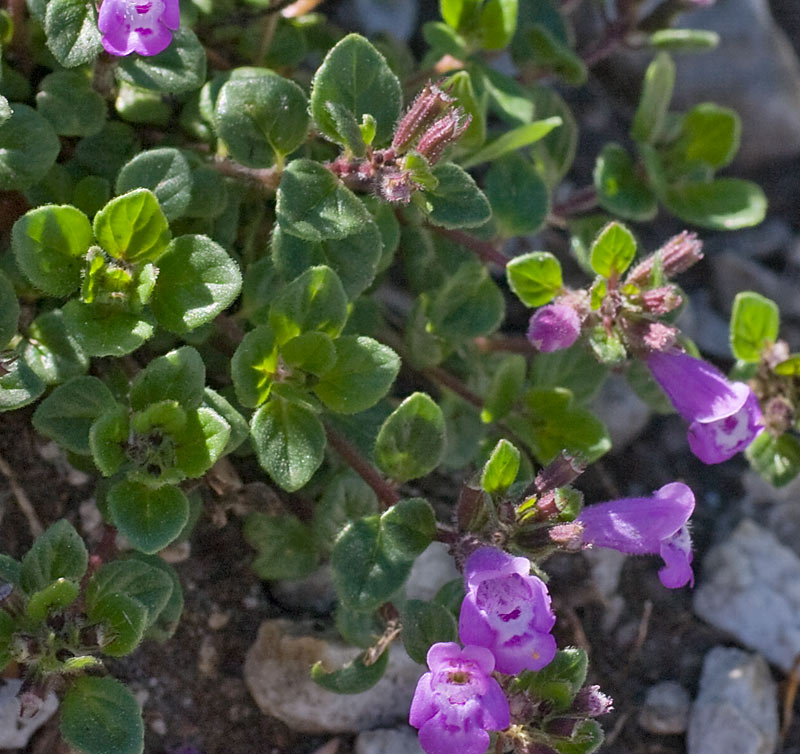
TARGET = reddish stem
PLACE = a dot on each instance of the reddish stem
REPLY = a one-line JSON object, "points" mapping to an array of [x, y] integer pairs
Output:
{"points": [[385, 492], [484, 250]]}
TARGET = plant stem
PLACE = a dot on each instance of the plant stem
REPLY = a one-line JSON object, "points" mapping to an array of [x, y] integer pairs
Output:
{"points": [[385, 492], [265, 179], [578, 201], [484, 250]]}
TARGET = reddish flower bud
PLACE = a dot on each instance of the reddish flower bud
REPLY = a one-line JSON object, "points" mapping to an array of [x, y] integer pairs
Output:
{"points": [[661, 300], [429, 104], [441, 134], [677, 255]]}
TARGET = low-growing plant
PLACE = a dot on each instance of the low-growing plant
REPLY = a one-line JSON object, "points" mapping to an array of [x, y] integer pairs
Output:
{"points": [[235, 226]]}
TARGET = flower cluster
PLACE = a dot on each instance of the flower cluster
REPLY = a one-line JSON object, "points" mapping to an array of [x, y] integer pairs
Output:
{"points": [[141, 26], [505, 625]]}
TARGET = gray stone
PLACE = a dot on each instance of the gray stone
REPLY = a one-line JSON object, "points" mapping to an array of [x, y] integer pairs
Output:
{"points": [[396, 18], [402, 740], [733, 273], [736, 711], [701, 322], [666, 709], [751, 589], [771, 236], [15, 731], [754, 70], [622, 411], [276, 673], [430, 572]]}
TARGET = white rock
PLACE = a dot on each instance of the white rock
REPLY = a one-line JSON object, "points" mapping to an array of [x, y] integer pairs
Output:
{"points": [[736, 711], [430, 572], [276, 672], [751, 589], [15, 731], [402, 740], [666, 709], [622, 411]]}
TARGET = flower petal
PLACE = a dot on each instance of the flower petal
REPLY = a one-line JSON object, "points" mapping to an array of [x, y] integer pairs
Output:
{"points": [[436, 737], [677, 554]]}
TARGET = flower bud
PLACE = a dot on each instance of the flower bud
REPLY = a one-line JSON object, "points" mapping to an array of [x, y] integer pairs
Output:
{"points": [[441, 134], [429, 104], [661, 300], [560, 472], [677, 255], [592, 702], [554, 327]]}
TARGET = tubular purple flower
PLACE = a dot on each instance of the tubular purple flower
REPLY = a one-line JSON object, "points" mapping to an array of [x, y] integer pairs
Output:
{"points": [[724, 416], [647, 526], [554, 327], [458, 701], [141, 26], [507, 611]]}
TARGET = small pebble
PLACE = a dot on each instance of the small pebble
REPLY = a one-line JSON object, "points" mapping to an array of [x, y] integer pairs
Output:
{"points": [[218, 619], [666, 709], [158, 726]]}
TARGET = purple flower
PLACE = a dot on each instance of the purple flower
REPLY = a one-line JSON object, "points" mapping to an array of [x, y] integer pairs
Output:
{"points": [[507, 611], [646, 526], [143, 26], [458, 701], [554, 327], [724, 416]]}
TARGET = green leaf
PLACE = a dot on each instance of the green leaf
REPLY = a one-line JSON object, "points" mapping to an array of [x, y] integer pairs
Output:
{"points": [[559, 681], [100, 716], [505, 388], [424, 624], [346, 125], [134, 578], [354, 258], [498, 22], [572, 368], [149, 518], [313, 302], [789, 367], [167, 619], [239, 429], [519, 197], [289, 441], [9, 310], [179, 68], [684, 40], [373, 556], [360, 629], [586, 738], [51, 351], [201, 442], [163, 171], [179, 375], [723, 204], [59, 553], [459, 13], [69, 411], [500, 471], [108, 439], [253, 365], [262, 118], [456, 202], [353, 678], [554, 154], [345, 498], [459, 85], [72, 33], [709, 133], [469, 304], [19, 386], [61, 593], [754, 325], [285, 546], [354, 74], [613, 250], [551, 54], [5, 109], [104, 153], [313, 204], [132, 227], [10, 570], [444, 40], [312, 352], [535, 277], [411, 441], [197, 280], [104, 330], [517, 138], [68, 101], [620, 187], [124, 620], [363, 373], [659, 80], [777, 459], [49, 244], [553, 423]]}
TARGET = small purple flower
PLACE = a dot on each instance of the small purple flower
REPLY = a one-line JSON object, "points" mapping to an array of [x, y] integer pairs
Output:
{"points": [[554, 327], [142, 26], [724, 416], [646, 526], [458, 701], [507, 611]]}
